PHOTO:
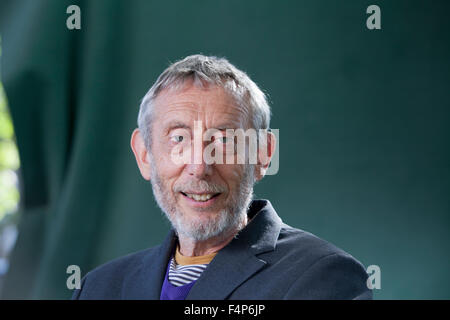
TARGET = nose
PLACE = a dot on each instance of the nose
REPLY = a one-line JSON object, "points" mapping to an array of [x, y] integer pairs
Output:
{"points": [[198, 167], [199, 170]]}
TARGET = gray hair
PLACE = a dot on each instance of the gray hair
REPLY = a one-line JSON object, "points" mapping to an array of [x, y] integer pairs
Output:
{"points": [[204, 71]]}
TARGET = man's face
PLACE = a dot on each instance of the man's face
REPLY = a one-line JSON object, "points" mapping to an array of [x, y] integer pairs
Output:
{"points": [[201, 200]]}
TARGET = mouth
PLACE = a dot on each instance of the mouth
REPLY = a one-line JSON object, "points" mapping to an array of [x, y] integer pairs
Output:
{"points": [[201, 197]]}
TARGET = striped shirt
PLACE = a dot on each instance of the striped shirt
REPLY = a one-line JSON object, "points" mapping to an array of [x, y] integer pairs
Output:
{"points": [[185, 269], [180, 275]]}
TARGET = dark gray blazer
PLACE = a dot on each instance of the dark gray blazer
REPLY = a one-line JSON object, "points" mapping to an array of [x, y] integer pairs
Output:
{"points": [[266, 260]]}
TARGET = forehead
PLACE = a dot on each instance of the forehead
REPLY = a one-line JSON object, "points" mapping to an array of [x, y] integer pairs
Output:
{"points": [[212, 105]]}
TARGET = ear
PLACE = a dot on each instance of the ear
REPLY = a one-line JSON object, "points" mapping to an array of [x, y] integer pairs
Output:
{"points": [[266, 150], [141, 153]]}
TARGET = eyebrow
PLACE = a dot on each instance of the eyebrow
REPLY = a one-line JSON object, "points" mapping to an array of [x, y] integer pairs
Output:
{"points": [[223, 128], [230, 125], [176, 125]]}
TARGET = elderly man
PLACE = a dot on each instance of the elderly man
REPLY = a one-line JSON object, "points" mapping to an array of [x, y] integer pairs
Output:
{"points": [[223, 244]]}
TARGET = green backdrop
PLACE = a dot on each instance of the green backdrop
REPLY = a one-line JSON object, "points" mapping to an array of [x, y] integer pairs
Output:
{"points": [[363, 118]]}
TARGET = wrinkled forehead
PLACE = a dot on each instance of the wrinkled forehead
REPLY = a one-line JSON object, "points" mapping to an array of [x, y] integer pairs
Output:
{"points": [[213, 104]]}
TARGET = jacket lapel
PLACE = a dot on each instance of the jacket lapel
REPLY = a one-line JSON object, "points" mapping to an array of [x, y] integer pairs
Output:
{"points": [[238, 261], [146, 281], [226, 272]]}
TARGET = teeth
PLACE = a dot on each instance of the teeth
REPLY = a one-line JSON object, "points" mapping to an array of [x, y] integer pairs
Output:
{"points": [[200, 197]]}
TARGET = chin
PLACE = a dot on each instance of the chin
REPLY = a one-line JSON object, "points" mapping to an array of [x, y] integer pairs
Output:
{"points": [[203, 226]]}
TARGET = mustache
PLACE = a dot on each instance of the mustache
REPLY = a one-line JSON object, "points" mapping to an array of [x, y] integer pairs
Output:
{"points": [[199, 186]]}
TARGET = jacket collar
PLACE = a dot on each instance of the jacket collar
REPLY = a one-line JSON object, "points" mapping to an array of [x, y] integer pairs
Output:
{"points": [[146, 281], [238, 260], [233, 264]]}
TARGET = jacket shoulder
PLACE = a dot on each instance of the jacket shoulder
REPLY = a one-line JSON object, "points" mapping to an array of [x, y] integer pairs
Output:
{"points": [[106, 280], [328, 271], [305, 243]]}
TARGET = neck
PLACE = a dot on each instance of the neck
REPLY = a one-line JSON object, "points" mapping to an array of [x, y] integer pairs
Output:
{"points": [[191, 248]]}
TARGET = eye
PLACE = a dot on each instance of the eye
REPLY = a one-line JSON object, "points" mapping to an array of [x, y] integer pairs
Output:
{"points": [[177, 138], [225, 143], [221, 139], [224, 138]]}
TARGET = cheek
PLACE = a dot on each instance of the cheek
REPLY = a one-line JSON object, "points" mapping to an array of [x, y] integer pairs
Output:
{"points": [[231, 174], [166, 168]]}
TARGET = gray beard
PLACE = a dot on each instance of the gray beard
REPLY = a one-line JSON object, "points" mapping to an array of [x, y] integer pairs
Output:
{"points": [[230, 220]]}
